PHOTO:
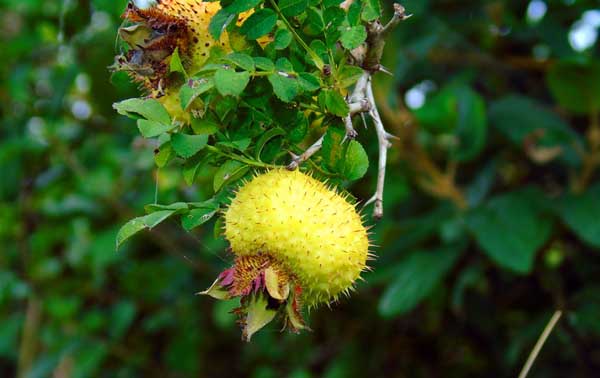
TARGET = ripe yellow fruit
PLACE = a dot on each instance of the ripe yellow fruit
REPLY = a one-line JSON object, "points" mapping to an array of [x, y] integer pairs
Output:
{"points": [[296, 241], [307, 227]]}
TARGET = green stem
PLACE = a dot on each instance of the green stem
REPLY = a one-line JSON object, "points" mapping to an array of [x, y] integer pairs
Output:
{"points": [[240, 158], [317, 59]]}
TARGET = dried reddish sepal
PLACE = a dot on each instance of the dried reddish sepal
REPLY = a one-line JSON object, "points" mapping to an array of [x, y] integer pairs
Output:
{"points": [[264, 288]]}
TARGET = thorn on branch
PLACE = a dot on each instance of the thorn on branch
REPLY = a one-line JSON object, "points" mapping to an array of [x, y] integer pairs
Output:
{"points": [[310, 151]]}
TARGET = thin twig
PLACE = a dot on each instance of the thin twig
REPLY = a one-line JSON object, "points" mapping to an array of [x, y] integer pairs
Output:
{"points": [[310, 151], [538, 345], [384, 143]]}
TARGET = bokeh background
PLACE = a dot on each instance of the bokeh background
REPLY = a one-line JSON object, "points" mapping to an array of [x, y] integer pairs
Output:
{"points": [[492, 209]]}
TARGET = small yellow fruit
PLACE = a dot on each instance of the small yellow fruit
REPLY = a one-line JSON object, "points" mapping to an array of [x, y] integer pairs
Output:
{"points": [[296, 241]]}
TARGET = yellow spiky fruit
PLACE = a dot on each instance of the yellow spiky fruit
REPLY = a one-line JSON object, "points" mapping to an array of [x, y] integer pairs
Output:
{"points": [[304, 225]]}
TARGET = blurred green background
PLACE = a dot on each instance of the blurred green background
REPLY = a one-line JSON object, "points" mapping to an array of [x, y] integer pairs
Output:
{"points": [[492, 209]]}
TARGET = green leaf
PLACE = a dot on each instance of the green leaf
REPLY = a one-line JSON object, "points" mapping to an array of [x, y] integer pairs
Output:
{"points": [[177, 207], [520, 118], [193, 88], [148, 108], [510, 229], [291, 8], [353, 36], [187, 146], [239, 6], [348, 75], [150, 129], [229, 171], [200, 215], [355, 162], [314, 21], [471, 128], [259, 23], [231, 83], [164, 154], [334, 103], [332, 149], [581, 213], [219, 22], [371, 10], [243, 61], [190, 169], [138, 224], [283, 38], [264, 64], [284, 85], [129, 229], [415, 279], [204, 126], [576, 86], [266, 137], [300, 129], [175, 64], [308, 82]]}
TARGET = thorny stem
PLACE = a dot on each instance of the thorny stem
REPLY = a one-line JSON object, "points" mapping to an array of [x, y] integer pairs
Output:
{"points": [[384, 143], [376, 35], [362, 100], [310, 151]]}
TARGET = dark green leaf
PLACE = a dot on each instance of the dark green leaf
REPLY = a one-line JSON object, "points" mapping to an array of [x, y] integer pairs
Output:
{"points": [[283, 37], [511, 228], [314, 21], [219, 22], [581, 213], [259, 24], [415, 279], [521, 118], [291, 8], [260, 144], [239, 6], [576, 86]]}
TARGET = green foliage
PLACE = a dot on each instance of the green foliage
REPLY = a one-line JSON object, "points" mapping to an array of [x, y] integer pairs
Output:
{"points": [[469, 276]]}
